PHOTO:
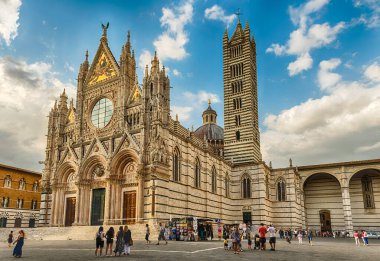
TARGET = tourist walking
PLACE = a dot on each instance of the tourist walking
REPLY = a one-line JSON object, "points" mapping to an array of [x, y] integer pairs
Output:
{"points": [[119, 248], [356, 236], [17, 251], [147, 234], [109, 240], [262, 233], [127, 240], [99, 238], [236, 241], [272, 237], [310, 236], [161, 234], [300, 237], [10, 239], [281, 233], [365, 237]]}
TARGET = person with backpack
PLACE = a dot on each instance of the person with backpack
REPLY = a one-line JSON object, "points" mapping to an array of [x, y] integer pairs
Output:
{"points": [[99, 238], [109, 237]]}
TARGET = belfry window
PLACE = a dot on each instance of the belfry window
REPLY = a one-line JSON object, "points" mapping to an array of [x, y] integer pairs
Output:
{"points": [[176, 165], [246, 187], [227, 186], [281, 190], [197, 174], [237, 135], [7, 181], [367, 192]]}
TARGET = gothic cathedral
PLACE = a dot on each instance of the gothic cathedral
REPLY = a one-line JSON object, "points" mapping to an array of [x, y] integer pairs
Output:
{"points": [[118, 156]]}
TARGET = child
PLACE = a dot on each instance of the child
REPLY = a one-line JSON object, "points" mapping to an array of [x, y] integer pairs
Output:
{"points": [[249, 242], [300, 237], [225, 244]]}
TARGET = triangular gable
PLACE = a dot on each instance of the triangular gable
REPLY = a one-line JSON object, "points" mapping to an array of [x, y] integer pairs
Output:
{"points": [[135, 96], [238, 34], [103, 67], [71, 116]]}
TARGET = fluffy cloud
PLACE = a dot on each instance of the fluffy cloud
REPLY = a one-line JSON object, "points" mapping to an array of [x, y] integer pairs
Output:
{"points": [[326, 78], [28, 91], [171, 43], [217, 13], [303, 62], [145, 59], [198, 103], [306, 37], [340, 126], [9, 15], [177, 73], [372, 72]]}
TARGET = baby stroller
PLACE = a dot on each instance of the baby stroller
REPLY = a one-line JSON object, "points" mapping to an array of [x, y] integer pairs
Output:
{"points": [[257, 242]]}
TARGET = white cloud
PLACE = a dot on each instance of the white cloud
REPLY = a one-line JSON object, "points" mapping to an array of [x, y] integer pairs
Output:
{"points": [[9, 15], [303, 62], [340, 126], [326, 78], [28, 91], [145, 59], [171, 43], [177, 73], [69, 67], [217, 13], [306, 37], [372, 18], [197, 101], [375, 146], [372, 72]]}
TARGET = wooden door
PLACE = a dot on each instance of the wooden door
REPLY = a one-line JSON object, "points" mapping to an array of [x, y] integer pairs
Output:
{"points": [[97, 208], [247, 217], [325, 220], [18, 222], [129, 207], [70, 211]]}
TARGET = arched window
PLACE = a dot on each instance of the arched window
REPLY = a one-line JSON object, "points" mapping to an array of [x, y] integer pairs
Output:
{"points": [[197, 174], [176, 165], [213, 180], [246, 187], [7, 181], [18, 222], [5, 202], [151, 89], [238, 135], [35, 186], [21, 184], [227, 185], [367, 192], [281, 190]]}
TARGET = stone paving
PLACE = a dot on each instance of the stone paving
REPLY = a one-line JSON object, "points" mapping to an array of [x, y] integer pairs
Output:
{"points": [[323, 249]]}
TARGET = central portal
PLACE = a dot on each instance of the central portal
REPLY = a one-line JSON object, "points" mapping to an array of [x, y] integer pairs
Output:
{"points": [[129, 207], [97, 208]]}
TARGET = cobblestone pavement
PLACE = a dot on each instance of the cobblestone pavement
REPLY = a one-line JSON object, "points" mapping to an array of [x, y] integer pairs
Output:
{"points": [[323, 249]]}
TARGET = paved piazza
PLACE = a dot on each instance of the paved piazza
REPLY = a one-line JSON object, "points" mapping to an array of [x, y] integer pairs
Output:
{"points": [[323, 249]]}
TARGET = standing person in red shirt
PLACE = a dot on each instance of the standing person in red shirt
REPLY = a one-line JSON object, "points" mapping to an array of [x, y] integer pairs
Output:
{"points": [[262, 232]]}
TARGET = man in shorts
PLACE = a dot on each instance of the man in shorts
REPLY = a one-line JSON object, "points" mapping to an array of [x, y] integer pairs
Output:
{"points": [[272, 237], [262, 232], [161, 234]]}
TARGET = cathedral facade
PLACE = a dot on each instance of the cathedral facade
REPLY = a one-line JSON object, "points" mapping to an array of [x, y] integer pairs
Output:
{"points": [[118, 157]]}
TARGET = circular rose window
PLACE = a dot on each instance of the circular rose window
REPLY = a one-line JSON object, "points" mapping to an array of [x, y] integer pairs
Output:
{"points": [[102, 113]]}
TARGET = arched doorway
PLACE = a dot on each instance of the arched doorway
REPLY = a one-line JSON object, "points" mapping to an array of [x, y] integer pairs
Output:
{"points": [[364, 190], [323, 203]]}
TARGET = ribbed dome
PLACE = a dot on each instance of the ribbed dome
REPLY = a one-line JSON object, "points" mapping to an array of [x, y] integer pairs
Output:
{"points": [[211, 131]]}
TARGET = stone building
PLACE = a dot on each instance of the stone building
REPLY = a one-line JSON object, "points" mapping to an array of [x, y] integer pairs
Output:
{"points": [[119, 157], [19, 196]]}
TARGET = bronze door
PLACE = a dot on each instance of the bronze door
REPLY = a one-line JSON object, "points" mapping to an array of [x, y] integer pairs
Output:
{"points": [[70, 211], [129, 207], [325, 220]]}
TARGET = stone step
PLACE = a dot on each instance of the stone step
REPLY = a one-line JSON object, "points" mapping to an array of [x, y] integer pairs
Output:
{"points": [[74, 232]]}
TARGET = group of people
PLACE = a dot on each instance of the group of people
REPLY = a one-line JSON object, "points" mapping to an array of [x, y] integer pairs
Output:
{"points": [[123, 241], [17, 251], [363, 235]]}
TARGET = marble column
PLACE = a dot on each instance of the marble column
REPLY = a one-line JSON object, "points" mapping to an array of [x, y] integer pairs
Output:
{"points": [[107, 204], [347, 209], [77, 208], [140, 200]]}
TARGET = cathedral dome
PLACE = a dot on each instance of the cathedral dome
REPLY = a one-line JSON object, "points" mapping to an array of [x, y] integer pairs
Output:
{"points": [[211, 131], [209, 128]]}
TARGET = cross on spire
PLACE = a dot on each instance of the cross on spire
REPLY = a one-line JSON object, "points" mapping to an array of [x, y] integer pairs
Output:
{"points": [[238, 13]]}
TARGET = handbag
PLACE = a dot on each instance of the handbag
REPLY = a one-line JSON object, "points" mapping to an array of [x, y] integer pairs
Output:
{"points": [[130, 242]]}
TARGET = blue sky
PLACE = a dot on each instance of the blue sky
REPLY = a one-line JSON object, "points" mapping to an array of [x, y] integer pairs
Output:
{"points": [[318, 67]]}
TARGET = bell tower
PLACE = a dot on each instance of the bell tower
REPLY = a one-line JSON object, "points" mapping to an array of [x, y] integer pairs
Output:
{"points": [[241, 129]]}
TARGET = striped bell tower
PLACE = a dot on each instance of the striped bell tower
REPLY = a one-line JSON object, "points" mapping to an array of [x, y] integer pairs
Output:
{"points": [[241, 129]]}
